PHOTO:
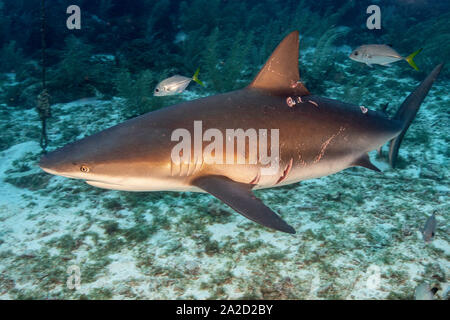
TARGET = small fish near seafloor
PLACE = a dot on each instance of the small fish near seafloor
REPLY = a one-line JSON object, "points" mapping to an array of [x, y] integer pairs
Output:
{"points": [[175, 84], [381, 54], [136, 155], [429, 230]]}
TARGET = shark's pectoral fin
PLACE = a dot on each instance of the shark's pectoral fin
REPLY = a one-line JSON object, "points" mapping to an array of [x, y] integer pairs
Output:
{"points": [[240, 197], [364, 161], [280, 73]]}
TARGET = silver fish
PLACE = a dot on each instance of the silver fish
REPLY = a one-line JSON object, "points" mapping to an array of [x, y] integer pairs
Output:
{"points": [[381, 54], [175, 84], [429, 230]]}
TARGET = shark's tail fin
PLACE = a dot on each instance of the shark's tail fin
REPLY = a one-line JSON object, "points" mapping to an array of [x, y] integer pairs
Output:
{"points": [[410, 58], [407, 111], [196, 79]]}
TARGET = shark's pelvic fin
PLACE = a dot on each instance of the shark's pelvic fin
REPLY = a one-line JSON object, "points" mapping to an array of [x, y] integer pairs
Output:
{"points": [[364, 161], [239, 196], [280, 73]]}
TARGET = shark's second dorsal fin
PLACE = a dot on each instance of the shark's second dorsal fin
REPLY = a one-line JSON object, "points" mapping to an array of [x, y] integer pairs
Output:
{"points": [[280, 73]]}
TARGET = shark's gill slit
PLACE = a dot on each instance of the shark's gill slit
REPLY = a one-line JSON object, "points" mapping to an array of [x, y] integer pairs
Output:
{"points": [[300, 159], [181, 169], [192, 167], [188, 167]]}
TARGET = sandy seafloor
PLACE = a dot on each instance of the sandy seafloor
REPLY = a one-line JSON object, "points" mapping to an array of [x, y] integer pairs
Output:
{"points": [[357, 231]]}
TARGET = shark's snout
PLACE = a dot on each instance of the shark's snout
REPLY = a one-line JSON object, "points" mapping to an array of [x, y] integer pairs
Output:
{"points": [[51, 163], [44, 162], [47, 163], [59, 162]]}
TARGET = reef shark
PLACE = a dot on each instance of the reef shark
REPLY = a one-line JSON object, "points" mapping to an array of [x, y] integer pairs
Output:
{"points": [[317, 137]]}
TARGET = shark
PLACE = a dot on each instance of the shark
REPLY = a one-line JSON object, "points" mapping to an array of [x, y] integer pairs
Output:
{"points": [[317, 137]]}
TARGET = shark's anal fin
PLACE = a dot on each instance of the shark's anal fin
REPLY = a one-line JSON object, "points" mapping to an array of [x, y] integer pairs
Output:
{"points": [[240, 197], [364, 161], [280, 73]]}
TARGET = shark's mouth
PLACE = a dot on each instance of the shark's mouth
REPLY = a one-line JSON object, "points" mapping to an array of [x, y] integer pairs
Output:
{"points": [[115, 186], [104, 185], [56, 173]]}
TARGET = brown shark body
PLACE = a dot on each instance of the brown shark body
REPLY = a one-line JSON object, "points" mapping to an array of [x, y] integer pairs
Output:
{"points": [[317, 137]]}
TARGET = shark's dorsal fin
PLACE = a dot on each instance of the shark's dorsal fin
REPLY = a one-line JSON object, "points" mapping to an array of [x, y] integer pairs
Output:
{"points": [[280, 73]]}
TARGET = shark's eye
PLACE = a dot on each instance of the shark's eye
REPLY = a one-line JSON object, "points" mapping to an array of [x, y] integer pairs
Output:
{"points": [[156, 90], [356, 53], [84, 169]]}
